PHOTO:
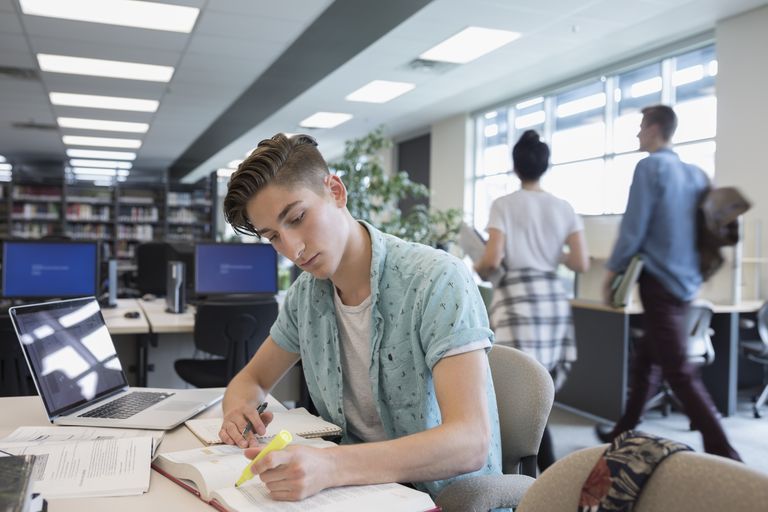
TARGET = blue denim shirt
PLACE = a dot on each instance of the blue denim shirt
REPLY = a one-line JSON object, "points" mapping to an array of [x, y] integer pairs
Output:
{"points": [[424, 303], [660, 222]]}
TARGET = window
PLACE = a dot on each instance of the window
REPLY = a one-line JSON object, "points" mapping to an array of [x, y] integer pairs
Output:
{"points": [[592, 128]]}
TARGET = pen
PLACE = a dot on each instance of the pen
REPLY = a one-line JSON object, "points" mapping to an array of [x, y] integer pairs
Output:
{"points": [[280, 441], [249, 426]]}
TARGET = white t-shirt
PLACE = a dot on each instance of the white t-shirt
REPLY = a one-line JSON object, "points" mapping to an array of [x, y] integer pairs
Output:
{"points": [[535, 225]]}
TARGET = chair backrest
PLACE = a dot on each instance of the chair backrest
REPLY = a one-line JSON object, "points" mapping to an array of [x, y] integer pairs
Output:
{"points": [[233, 329], [524, 396], [700, 348], [15, 379], [684, 481], [762, 323]]}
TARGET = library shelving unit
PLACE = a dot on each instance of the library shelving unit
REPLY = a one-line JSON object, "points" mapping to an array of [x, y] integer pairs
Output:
{"points": [[35, 209], [140, 217], [89, 212], [190, 212], [5, 195]]}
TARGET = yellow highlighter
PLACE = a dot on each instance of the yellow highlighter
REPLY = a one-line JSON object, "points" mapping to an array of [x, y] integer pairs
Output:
{"points": [[280, 441]]}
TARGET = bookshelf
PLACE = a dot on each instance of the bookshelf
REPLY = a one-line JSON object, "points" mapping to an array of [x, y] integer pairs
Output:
{"points": [[35, 210], [190, 212], [140, 218]]}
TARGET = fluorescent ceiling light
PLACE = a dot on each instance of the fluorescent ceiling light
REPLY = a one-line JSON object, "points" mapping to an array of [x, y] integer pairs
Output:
{"points": [[127, 13], [106, 155], [581, 105], [97, 124], [65, 99], [2, 159], [380, 91], [107, 164], [528, 120], [688, 75], [100, 172], [325, 120], [529, 103], [469, 44], [712, 68], [491, 115], [5, 167], [645, 87], [104, 68], [76, 140]]}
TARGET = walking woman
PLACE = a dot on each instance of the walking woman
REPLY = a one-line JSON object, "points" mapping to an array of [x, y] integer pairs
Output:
{"points": [[528, 231]]}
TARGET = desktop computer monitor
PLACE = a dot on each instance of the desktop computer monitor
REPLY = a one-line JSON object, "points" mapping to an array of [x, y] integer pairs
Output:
{"points": [[225, 269], [46, 269]]}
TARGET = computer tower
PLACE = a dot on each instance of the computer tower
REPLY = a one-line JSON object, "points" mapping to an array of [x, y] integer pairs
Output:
{"points": [[112, 284], [175, 293]]}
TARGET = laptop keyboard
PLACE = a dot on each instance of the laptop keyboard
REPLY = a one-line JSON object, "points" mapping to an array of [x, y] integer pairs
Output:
{"points": [[127, 405]]}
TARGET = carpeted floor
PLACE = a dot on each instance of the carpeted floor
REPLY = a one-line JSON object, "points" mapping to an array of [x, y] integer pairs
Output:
{"points": [[571, 432]]}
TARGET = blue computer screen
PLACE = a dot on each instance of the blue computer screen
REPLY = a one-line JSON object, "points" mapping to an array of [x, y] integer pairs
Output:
{"points": [[49, 269], [235, 268]]}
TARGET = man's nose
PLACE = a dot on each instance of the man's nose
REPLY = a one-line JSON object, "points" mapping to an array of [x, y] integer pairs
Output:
{"points": [[294, 247]]}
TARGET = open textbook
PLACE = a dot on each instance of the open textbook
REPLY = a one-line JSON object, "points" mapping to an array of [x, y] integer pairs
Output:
{"points": [[210, 473], [623, 283], [296, 421]]}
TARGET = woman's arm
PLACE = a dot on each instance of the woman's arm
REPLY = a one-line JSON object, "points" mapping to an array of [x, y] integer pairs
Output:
{"points": [[494, 253], [459, 445], [577, 259]]}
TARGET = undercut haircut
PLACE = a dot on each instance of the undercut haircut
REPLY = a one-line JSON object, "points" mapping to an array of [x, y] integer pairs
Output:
{"points": [[289, 162], [662, 116]]}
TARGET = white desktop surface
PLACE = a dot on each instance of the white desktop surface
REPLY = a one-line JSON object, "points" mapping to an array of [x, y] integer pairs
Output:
{"points": [[161, 321], [163, 494], [117, 323]]}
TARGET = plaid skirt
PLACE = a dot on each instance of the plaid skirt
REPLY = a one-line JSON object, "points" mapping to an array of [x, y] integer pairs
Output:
{"points": [[531, 312]]}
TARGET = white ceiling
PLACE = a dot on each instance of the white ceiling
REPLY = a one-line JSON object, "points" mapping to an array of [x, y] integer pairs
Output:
{"points": [[234, 41]]}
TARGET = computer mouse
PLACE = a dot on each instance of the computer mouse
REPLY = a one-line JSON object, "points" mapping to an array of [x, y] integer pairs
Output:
{"points": [[132, 314]]}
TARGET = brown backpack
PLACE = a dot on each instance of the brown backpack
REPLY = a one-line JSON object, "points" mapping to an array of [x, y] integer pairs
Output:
{"points": [[717, 225]]}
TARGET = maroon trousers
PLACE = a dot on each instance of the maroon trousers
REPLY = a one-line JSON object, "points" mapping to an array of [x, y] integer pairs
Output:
{"points": [[664, 348]]}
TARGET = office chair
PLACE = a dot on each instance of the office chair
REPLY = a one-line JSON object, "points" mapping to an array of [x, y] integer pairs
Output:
{"points": [[232, 331], [15, 379], [524, 396], [757, 351], [700, 353], [684, 481]]}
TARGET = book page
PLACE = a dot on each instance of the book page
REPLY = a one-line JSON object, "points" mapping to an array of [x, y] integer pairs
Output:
{"points": [[52, 434], [254, 496], [219, 466], [103, 467], [296, 421]]}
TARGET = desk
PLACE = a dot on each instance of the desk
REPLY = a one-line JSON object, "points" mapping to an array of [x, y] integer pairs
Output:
{"points": [[117, 323], [163, 493], [160, 321], [599, 380]]}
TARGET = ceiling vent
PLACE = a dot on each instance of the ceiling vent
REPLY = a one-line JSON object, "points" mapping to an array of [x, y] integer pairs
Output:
{"points": [[32, 125], [19, 73], [430, 66]]}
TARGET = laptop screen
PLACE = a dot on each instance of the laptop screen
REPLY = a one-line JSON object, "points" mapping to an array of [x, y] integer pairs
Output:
{"points": [[69, 351]]}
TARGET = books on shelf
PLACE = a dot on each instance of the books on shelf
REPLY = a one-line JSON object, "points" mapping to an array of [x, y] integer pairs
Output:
{"points": [[296, 421], [210, 473], [623, 284]]}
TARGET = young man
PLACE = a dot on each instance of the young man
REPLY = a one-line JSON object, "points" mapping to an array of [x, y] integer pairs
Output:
{"points": [[392, 337], [660, 224]]}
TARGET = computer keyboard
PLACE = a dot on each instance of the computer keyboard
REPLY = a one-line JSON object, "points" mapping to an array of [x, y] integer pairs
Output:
{"points": [[127, 405]]}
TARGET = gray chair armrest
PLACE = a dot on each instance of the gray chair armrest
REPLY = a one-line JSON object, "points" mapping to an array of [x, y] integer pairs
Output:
{"points": [[483, 493]]}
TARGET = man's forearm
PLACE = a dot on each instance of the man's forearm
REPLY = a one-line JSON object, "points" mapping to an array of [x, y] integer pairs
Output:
{"points": [[242, 389]]}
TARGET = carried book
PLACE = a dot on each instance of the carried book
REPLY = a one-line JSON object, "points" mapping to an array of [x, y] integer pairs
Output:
{"points": [[473, 245], [16, 473], [210, 473], [296, 421], [623, 284]]}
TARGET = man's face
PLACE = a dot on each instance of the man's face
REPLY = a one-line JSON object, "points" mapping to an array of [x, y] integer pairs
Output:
{"points": [[302, 225], [647, 135]]}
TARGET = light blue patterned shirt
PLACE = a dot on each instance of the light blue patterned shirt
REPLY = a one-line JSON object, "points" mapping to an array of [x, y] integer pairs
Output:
{"points": [[425, 303]]}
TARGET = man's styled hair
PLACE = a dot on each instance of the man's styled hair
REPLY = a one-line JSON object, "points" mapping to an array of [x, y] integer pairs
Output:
{"points": [[664, 117], [530, 156], [284, 161]]}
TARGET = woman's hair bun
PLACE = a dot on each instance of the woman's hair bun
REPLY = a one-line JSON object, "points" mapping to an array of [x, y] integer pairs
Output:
{"points": [[530, 136]]}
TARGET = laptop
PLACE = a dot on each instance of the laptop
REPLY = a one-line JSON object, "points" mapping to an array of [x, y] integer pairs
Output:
{"points": [[78, 375]]}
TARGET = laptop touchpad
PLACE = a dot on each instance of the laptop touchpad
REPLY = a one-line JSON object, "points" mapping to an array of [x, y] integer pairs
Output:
{"points": [[178, 405]]}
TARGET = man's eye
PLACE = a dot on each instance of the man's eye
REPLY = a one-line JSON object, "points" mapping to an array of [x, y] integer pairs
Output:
{"points": [[272, 238], [298, 219]]}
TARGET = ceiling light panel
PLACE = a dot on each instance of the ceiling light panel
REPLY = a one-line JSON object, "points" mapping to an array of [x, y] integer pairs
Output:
{"points": [[76, 140], [104, 68], [65, 99], [98, 124], [380, 91], [5, 167], [104, 164], [91, 171], [126, 13], [325, 120], [469, 44], [104, 155]]}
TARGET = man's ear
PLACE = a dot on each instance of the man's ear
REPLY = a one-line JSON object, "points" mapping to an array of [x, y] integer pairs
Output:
{"points": [[337, 190]]}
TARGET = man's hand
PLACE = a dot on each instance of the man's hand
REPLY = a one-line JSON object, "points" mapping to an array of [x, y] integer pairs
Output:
{"points": [[607, 286], [235, 421], [294, 473]]}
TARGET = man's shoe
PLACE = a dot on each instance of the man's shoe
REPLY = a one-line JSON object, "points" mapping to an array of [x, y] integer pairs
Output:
{"points": [[604, 433]]}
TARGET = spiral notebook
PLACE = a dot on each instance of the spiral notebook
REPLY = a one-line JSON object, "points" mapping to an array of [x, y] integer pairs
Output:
{"points": [[296, 421]]}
